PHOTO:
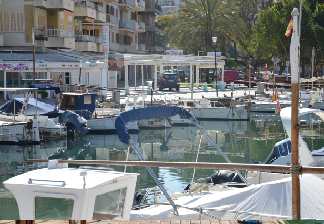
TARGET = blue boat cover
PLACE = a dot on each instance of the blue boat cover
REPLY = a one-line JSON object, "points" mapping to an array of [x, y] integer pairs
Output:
{"points": [[46, 86], [158, 112]]}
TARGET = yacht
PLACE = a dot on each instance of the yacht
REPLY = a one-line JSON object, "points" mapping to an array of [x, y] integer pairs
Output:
{"points": [[214, 109]]}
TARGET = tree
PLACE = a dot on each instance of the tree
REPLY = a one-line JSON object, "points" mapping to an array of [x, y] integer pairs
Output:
{"points": [[268, 38], [194, 25]]}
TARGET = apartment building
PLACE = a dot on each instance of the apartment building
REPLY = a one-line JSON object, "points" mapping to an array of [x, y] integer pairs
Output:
{"points": [[170, 6], [76, 24]]}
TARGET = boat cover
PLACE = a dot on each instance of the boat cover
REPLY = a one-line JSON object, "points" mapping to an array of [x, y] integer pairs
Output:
{"points": [[281, 148], [262, 201], [304, 152], [158, 112], [46, 86], [34, 105]]}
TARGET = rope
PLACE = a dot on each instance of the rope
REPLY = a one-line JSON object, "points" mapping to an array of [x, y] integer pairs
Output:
{"points": [[194, 171]]}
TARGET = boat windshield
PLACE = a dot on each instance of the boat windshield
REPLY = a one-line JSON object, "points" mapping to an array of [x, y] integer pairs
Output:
{"points": [[110, 205]]}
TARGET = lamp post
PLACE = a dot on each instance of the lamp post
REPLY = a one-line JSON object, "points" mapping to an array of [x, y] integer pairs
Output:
{"points": [[214, 39]]}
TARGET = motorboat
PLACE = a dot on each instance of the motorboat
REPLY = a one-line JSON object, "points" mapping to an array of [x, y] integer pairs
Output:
{"points": [[215, 109], [59, 192], [266, 201], [135, 102], [18, 133]]}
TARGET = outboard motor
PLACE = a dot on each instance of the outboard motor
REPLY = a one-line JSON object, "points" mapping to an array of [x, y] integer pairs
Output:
{"points": [[224, 176], [75, 124]]}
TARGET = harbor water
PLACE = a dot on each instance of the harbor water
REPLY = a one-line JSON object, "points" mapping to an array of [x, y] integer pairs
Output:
{"points": [[241, 141]]}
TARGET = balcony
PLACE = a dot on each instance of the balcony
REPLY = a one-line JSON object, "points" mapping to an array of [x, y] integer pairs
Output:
{"points": [[58, 38], [112, 20], [141, 27], [40, 3], [100, 16], [85, 38], [127, 3], [40, 33], [140, 5], [86, 46], [127, 25], [61, 4], [85, 9], [141, 47], [86, 43]]}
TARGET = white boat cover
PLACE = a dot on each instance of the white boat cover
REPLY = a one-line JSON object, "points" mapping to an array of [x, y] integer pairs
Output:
{"points": [[271, 200], [304, 152]]}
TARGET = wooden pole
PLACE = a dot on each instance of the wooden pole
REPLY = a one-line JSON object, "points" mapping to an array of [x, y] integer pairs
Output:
{"points": [[295, 166], [190, 165]]}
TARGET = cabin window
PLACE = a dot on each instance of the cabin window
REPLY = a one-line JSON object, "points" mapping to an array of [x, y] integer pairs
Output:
{"points": [[190, 104], [109, 205], [87, 99], [53, 208], [67, 78], [68, 103]]}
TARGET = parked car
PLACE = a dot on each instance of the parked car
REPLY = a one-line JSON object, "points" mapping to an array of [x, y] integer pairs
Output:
{"points": [[230, 76], [169, 80]]}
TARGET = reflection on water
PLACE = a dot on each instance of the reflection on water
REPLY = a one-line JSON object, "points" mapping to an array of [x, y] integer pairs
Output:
{"points": [[244, 142]]}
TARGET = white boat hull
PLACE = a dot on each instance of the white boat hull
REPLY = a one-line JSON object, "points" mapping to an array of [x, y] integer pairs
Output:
{"points": [[17, 133], [220, 113], [107, 125]]}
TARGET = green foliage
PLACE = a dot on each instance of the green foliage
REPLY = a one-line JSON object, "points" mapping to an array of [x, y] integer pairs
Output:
{"points": [[194, 25], [257, 34], [268, 38]]}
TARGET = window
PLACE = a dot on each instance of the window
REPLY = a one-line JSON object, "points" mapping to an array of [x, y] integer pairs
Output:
{"points": [[87, 99], [109, 205], [68, 102], [67, 78], [117, 38], [53, 208]]}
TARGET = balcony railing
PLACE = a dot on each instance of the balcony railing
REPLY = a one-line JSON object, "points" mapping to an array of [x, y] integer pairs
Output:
{"points": [[141, 26], [60, 33], [40, 3], [85, 9], [61, 4], [88, 38], [40, 33], [85, 38], [127, 24], [113, 20], [129, 3], [85, 4], [140, 5]]}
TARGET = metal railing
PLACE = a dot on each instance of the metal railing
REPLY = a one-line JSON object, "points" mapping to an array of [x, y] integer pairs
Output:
{"points": [[130, 3], [85, 4], [141, 25], [112, 19], [128, 24], [85, 38], [59, 33]]}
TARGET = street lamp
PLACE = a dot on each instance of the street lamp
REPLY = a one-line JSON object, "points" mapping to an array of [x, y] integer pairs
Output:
{"points": [[214, 40]]}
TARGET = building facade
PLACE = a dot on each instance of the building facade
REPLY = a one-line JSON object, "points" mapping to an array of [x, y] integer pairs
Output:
{"points": [[78, 24], [170, 6]]}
